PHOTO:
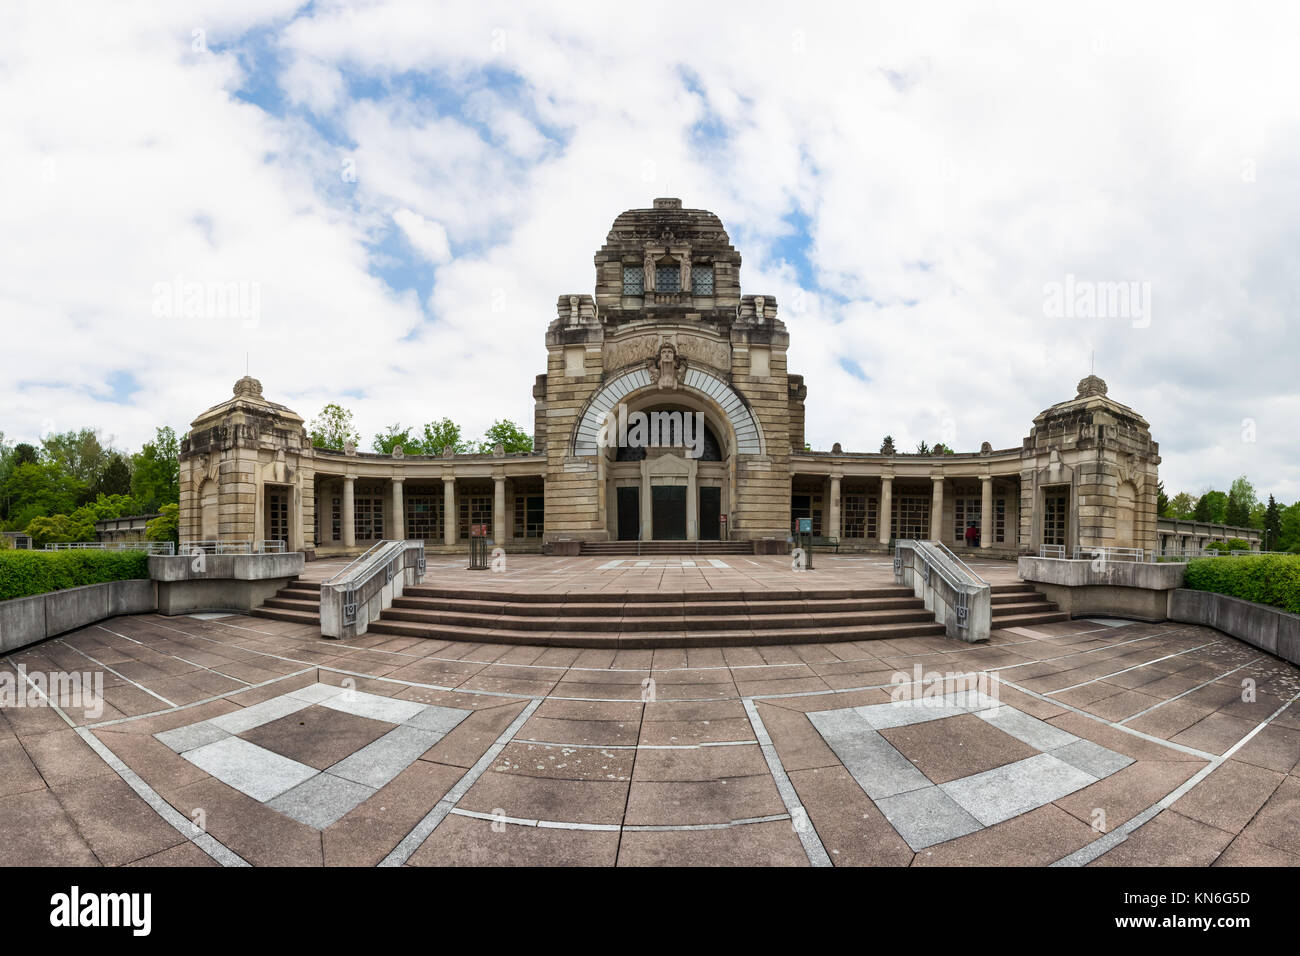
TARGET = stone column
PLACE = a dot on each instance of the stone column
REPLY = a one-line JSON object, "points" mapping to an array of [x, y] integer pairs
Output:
{"points": [[885, 515], [647, 520], [450, 520], [693, 504], [833, 522], [936, 510], [986, 513], [399, 509], [499, 510], [349, 519]]}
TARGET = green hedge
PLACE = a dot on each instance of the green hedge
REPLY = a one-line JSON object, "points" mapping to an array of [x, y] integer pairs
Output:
{"points": [[1267, 579], [23, 573]]}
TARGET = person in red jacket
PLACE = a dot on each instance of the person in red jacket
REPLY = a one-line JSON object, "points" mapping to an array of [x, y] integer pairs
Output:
{"points": [[972, 535]]}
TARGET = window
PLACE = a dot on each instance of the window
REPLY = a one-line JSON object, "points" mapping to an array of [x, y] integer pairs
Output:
{"points": [[806, 506], [702, 280], [1054, 505], [911, 518], [966, 511], [336, 519], [668, 278], [368, 518], [529, 516], [633, 280], [424, 517], [475, 509], [859, 516], [277, 516], [1000, 520]]}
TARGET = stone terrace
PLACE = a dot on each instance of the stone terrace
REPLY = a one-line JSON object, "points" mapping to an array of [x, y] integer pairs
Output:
{"points": [[1110, 743]]}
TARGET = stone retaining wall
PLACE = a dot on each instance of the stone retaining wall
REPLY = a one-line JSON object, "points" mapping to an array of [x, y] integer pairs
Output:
{"points": [[27, 620], [1268, 628]]}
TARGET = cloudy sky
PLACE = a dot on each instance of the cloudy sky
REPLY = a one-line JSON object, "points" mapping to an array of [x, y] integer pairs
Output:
{"points": [[398, 192]]}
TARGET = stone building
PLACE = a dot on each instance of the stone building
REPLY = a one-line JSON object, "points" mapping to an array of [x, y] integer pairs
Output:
{"points": [[667, 412]]}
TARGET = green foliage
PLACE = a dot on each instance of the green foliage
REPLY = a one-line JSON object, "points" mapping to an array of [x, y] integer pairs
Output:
{"points": [[507, 434], [333, 428], [1212, 507], [923, 449], [1238, 544], [23, 573], [115, 479], [395, 435], [61, 528], [1181, 506], [1272, 579], [165, 527], [1244, 492], [1219, 546], [33, 490], [941, 449], [155, 472], [1162, 500], [438, 435], [887, 446], [1237, 513], [77, 453], [1272, 525]]}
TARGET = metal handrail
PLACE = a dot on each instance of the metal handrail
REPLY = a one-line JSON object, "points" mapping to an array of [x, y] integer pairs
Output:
{"points": [[151, 547], [361, 557], [965, 567], [948, 572], [1051, 551], [388, 557]]}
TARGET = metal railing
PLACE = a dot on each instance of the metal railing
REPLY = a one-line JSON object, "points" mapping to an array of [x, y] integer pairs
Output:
{"points": [[1133, 555], [1051, 551], [962, 581], [369, 573], [267, 546], [151, 547]]}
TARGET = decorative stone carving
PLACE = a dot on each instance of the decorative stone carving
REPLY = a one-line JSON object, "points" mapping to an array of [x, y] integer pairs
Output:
{"points": [[668, 369], [758, 309], [836, 449], [574, 315], [1092, 385], [986, 448], [397, 452], [349, 448], [648, 273], [685, 259], [448, 451], [498, 450], [248, 387]]}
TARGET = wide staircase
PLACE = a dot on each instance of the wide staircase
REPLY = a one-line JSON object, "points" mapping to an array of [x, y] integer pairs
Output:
{"points": [[1019, 605], [623, 549], [658, 618], [298, 601]]}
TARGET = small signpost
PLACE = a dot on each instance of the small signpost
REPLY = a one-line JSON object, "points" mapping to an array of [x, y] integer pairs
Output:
{"points": [[478, 547], [805, 541]]}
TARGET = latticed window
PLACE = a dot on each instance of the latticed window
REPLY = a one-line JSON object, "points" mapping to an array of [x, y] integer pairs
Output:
{"points": [[859, 516], [336, 519], [1000, 519], [633, 280], [529, 516], [368, 517], [702, 280], [424, 517], [475, 509], [911, 518], [1054, 505], [966, 511], [668, 278]]}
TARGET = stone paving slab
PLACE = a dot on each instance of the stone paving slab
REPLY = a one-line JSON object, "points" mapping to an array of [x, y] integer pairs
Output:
{"points": [[471, 754]]}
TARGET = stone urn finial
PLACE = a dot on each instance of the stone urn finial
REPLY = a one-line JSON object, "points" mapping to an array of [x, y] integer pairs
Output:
{"points": [[248, 387], [397, 452], [498, 450], [1092, 385]]}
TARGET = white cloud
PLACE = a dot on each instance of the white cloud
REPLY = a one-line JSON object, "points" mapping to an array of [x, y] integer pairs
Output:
{"points": [[428, 238]]}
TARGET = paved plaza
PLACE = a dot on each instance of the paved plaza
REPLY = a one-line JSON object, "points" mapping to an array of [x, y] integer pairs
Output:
{"points": [[233, 740]]}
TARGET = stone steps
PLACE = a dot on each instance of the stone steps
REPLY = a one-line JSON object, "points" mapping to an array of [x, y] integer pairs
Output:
{"points": [[658, 618], [297, 602], [652, 548], [1019, 605]]}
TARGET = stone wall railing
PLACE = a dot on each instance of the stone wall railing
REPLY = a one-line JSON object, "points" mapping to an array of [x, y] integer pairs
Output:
{"points": [[960, 601], [1268, 628]]}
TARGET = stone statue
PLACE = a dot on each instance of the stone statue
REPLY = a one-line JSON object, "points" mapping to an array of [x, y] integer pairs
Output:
{"points": [[667, 370], [758, 308], [349, 448], [648, 275], [685, 259], [397, 452], [574, 314]]}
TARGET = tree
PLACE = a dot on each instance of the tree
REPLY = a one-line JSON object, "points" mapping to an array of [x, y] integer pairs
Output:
{"points": [[1245, 493], [438, 435], [59, 528], [507, 434], [165, 527], [155, 471], [1289, 538], [887, 446], [114, 479], [25, 454], [40, 490], [395, 435], [1272, 524], [1181, 506], [923, 449], [1211, 507], [1162, 500], [1236, 513], [79, 453], [333, 428]]}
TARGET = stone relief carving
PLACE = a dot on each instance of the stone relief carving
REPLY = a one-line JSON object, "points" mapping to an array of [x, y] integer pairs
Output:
{"points": [[648, 273], [668, 369]]}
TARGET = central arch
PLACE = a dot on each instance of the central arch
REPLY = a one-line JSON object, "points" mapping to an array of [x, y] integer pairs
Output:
{"points": [[748, 436]]}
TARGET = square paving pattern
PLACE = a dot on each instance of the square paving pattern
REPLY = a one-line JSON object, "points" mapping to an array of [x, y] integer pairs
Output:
{"points": [[315, 753], [929, 809]]}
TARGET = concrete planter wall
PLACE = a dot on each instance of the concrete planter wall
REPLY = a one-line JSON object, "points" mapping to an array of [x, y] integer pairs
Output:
{"points": [[1087, 588], [221, 582], [1268, 628], [27, 620]]}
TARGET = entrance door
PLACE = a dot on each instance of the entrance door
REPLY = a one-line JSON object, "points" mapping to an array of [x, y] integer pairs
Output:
{"points": [[710, 512], [668, 512], [277, 517], [629, 513]]}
